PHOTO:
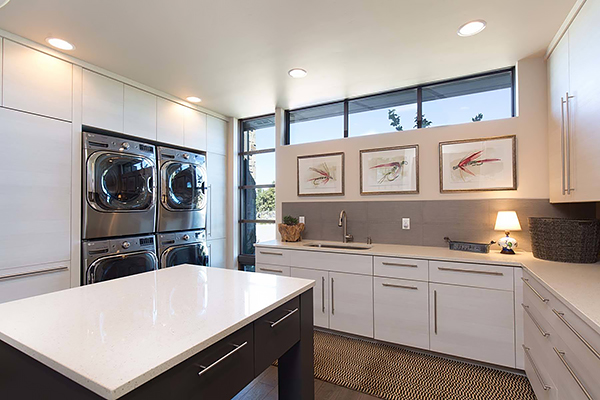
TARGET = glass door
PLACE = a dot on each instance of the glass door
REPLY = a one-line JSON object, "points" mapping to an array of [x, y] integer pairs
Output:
{"points": [[118, 266]]}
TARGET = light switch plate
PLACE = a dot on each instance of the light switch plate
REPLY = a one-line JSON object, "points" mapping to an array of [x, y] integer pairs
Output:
{"points": [[405, 223], [301, 219]]}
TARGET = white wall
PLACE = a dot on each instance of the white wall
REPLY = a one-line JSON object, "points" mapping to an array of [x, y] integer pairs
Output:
{"points": [[529, 126]]}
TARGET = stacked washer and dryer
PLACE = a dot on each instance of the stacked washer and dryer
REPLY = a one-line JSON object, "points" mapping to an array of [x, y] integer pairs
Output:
{"points": [[144, 207]]}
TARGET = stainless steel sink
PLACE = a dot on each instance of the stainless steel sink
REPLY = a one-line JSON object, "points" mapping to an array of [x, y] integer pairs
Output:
{"points": [[347, 246]]}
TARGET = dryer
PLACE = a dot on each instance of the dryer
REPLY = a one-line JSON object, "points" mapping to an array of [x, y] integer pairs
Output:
{"points": [[182, 190], [104, 260], [188, 247], [119, 189]]}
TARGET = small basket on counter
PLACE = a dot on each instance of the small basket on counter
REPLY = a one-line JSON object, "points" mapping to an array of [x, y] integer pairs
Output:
{"points": [[565, 240]]}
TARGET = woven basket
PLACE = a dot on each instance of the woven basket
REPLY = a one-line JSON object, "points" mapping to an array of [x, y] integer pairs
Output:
{"points": [[565, 240]]}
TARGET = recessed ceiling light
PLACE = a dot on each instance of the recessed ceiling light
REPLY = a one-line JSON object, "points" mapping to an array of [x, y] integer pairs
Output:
{"points": [[297, 73], [3, 3], [60, 44], [472, 28], [194, 99]]}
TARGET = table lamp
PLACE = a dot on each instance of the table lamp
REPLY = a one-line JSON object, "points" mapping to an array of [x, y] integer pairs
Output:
{"points": [[507, 221]]}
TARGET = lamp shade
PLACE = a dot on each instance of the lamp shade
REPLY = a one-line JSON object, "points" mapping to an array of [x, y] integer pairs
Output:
{"points": [[507, 221]]}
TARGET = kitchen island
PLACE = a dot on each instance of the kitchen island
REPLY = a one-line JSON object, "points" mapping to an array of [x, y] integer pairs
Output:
{"points": [[177, 333]]}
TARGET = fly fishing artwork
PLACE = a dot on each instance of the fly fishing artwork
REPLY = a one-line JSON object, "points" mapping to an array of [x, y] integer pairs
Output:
{"points": [[390, 170], [478, 164], [321, 175]]}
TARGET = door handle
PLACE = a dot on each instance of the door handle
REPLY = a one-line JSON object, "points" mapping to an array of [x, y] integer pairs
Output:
{"points": [[332, 299], [209, 209], [323, 294], [569, 188], [435, 312], [562, 143]]}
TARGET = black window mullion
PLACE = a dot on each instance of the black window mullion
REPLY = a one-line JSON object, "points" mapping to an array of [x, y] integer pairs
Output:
{"points": [[346, 117], [419, 107]]}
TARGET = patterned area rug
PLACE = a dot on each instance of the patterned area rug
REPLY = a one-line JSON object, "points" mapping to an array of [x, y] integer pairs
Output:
{"points": [[394, 373]]}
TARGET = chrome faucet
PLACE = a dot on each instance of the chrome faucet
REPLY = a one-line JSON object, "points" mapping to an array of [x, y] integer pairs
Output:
{"points": [[343, 223]]}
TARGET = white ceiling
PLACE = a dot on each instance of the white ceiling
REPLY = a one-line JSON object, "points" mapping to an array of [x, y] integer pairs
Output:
{"points": [[235, 54]]}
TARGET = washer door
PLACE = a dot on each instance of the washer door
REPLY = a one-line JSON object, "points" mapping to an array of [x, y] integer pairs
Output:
{"points": [[196, 254], [118, 266], [120, 182], [183, 186]]}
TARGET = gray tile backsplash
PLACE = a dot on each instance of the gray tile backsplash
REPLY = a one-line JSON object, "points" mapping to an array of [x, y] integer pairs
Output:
{"points": [[431, 220]]}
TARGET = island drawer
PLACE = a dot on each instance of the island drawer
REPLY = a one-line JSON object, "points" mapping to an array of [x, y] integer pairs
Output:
{"points": [[403, 268], [475, 275], [266, 255], [276, 332]]}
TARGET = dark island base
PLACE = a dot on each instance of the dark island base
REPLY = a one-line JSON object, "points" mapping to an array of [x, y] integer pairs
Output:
{"points": [[282, 334]]}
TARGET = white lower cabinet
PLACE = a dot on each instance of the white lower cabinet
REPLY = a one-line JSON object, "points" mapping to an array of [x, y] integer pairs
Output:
{"points": [[401, 311], [280, 270], [474, 323], [320, 292], [216, 253], [33, 281], [351, 303]]}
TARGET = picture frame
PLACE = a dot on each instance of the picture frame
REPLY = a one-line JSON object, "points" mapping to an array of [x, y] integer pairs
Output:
{"points": [[389, 170], [321, 174], [476, 165]]}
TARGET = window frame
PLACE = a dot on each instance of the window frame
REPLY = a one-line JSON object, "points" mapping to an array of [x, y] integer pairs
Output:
{"points": [[419, 89]]}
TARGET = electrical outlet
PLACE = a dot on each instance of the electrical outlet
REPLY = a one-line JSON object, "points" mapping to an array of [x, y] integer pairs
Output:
{"points": [[301, 219], [405, 223]]}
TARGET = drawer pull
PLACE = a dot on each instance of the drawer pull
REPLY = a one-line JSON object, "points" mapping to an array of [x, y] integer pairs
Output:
{"points": [[561, 316], [526, 308], [561, 355], [400, 265], [289, 314], [271, 270], [535, 369], [33, 273], [471, 271], [237, 348], [400, 286], [526, 281], [271, 253]]}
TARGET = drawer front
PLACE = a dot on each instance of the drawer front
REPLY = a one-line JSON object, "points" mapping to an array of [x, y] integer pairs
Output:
{"points": [[402, 268], [539, 364], [273, 269], [265, 255], [276, 332], [336, 262], [476, 275]]}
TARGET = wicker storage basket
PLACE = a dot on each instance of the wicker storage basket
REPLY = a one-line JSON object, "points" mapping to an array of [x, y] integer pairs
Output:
{"points": [[565, 240]]}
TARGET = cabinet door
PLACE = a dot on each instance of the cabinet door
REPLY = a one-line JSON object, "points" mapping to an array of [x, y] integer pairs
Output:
{"points": [[216, 253], [558, 86], [401, 311], [170, 122], [140, 113], [35, 190], [41, 279], [320, 292], [102, 102], [217, 135], [37, 82], [194, 129], [217, 178], [584, 134], [473, 323], [351, 303]]}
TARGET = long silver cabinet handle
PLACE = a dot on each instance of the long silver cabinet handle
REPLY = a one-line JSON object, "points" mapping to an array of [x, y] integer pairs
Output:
{"points": [[238, 347], [471, 271], [271, 270], [332, 299], [399, 286], [561, 316], [535, 369], [323, 294], [209, 209], [33, 273], [289, 314], [562, 142], [569, 189], [544, 333], [561, 355], [399, 264], [271, 253], [435, 311], [542, 298]]}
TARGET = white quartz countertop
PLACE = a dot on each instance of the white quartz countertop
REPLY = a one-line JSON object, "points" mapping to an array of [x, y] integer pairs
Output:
{"points": [[112, 337], [576, 285]]}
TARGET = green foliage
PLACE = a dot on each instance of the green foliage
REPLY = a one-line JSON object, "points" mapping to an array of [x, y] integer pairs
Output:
{"points": [[394, 120], [289, 220], [424, 121], [265, 200], [477, 118]]}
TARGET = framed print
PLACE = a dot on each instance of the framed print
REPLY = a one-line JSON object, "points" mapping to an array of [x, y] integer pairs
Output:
{"points": [[478, 164], [390, 170], [321, 175]]}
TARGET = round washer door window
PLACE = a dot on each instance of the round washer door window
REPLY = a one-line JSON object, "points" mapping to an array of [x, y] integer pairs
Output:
{"points": [[185, 186]]}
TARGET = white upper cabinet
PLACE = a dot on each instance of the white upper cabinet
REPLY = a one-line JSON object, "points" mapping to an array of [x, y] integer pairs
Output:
{"points": [[102, 102], [194, 129], [217, 135], [36, 82], [170, 116], [140, 113]]}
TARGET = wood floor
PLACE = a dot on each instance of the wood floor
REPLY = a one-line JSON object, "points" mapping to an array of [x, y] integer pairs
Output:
{"points": [[265, 387]]}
